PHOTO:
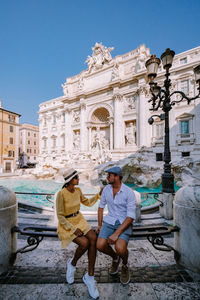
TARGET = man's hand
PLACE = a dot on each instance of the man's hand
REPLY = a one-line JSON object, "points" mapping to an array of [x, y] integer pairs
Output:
{"points": [[98, 229], [78, 232], [113, 238]]}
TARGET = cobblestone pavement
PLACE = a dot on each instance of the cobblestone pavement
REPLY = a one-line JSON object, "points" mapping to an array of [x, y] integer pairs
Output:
{"points": [[44, 275], [40, 275]]}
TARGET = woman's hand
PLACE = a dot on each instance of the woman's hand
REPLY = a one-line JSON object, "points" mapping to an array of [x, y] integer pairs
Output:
{"points": [[78, 232], [98, 229]]}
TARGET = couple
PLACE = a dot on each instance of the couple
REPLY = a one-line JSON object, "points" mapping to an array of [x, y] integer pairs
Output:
{"points": [[115, 229]]}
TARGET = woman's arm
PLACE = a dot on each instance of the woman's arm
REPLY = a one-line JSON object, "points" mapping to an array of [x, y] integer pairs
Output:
{"points": [[60, 213], [89, 201]]}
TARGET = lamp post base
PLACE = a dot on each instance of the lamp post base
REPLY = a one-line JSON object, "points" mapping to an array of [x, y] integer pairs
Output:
{"points": [[168, 183]]}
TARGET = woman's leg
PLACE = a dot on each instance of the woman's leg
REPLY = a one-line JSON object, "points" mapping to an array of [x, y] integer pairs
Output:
{"points": [[92, 250], [83, 245]]}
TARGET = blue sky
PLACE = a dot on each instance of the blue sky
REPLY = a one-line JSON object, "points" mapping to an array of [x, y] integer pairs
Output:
{"points": [[44, 41]]}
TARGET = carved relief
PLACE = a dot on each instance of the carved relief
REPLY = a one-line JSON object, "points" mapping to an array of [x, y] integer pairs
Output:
{"points": [[100, 55], [80, 83], [130, 103], [115, 72], [76, 116]]}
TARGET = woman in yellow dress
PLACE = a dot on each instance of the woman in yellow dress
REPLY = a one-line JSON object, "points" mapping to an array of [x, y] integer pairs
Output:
{"points": [[72, 226]]}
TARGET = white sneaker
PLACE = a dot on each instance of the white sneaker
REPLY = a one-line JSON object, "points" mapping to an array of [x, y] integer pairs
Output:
{"points": [[91, 285], [70, 272]]}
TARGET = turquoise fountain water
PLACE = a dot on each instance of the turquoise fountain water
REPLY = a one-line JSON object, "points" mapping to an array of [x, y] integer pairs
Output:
{"points": [[51, 187]]}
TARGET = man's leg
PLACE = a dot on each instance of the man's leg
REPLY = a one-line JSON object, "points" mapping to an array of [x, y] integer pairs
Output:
{"points": [[121, 250]]}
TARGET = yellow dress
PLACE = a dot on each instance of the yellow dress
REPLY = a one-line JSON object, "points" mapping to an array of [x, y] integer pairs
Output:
{"points": [[68, 203]]}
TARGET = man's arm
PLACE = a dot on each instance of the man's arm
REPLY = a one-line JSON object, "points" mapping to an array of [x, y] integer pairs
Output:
{"points": [[113, 238]]}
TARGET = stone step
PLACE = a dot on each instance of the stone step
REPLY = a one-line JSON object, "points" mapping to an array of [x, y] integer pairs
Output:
{"points": [[47, 275]]}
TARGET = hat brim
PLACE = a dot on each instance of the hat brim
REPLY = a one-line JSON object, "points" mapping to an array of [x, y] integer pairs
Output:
{"points": [[68, 179]]}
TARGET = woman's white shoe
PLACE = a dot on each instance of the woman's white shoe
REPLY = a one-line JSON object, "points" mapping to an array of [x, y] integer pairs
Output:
{"points": [[91, 285], [70, 272]]}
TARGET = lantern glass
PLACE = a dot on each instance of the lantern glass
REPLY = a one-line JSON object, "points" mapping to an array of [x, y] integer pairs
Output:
{"points": [[152, 65], [167, 58]]}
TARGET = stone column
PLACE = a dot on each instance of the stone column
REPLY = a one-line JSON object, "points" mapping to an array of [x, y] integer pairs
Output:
{"points": [[8, 219], [144, 138], [90, 138], [68, 130], [49, 142], [187, 218], [111, 135], [83, 135], [118, 122]]}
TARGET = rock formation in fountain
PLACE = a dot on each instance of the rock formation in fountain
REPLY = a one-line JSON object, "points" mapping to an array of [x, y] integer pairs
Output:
{"points": [[139, 168]]}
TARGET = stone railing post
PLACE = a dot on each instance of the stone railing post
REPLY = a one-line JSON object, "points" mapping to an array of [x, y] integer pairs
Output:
{"points": [[187, 218], [8, 219], [166, 210], [138, 207]]}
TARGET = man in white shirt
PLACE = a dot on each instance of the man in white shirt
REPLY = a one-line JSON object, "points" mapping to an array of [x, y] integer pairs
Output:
{"points": [[115, 228]]}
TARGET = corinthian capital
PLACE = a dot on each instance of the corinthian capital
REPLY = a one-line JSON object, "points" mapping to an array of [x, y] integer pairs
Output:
{"points": [[144, 90], [117, 97]]}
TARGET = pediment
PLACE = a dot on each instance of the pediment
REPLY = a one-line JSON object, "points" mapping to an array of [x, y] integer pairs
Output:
{"points": [[185, 116]]}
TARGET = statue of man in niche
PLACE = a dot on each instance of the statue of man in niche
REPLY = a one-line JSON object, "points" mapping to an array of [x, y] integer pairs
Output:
{"points": [[130, 134]]}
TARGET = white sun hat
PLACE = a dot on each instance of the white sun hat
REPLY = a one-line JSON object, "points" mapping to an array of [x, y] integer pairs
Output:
{"points": [[69, 174]]}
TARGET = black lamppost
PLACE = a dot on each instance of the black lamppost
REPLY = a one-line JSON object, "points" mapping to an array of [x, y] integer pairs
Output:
{"points": [[161, 98]]}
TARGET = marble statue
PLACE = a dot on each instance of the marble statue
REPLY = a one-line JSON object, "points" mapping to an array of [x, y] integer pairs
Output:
{"points": [[76, 140], [100, 55], [130, 134]]}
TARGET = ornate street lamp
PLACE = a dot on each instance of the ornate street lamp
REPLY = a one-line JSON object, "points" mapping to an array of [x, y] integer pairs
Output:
{"points": [[161, 98]]}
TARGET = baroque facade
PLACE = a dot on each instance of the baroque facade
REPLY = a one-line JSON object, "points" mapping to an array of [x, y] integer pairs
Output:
{"points": [[104, 111]]}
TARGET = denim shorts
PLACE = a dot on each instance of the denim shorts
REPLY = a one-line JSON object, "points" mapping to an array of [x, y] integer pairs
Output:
{"points": [[108, 229]]}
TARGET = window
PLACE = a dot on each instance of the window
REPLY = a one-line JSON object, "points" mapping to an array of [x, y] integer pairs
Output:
{"points": [[34, 158], [159, 156], [185, 127], [11, 153], [27, 150], [29, 142], [29, 134], [54, 119], [45, 143], [45, 122], [159, 130], [11, 129], [11, 140], [184, 86], [11, 118], [34, 134], [35, 143], [183, 61], [185, 154], [34, 151]]}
